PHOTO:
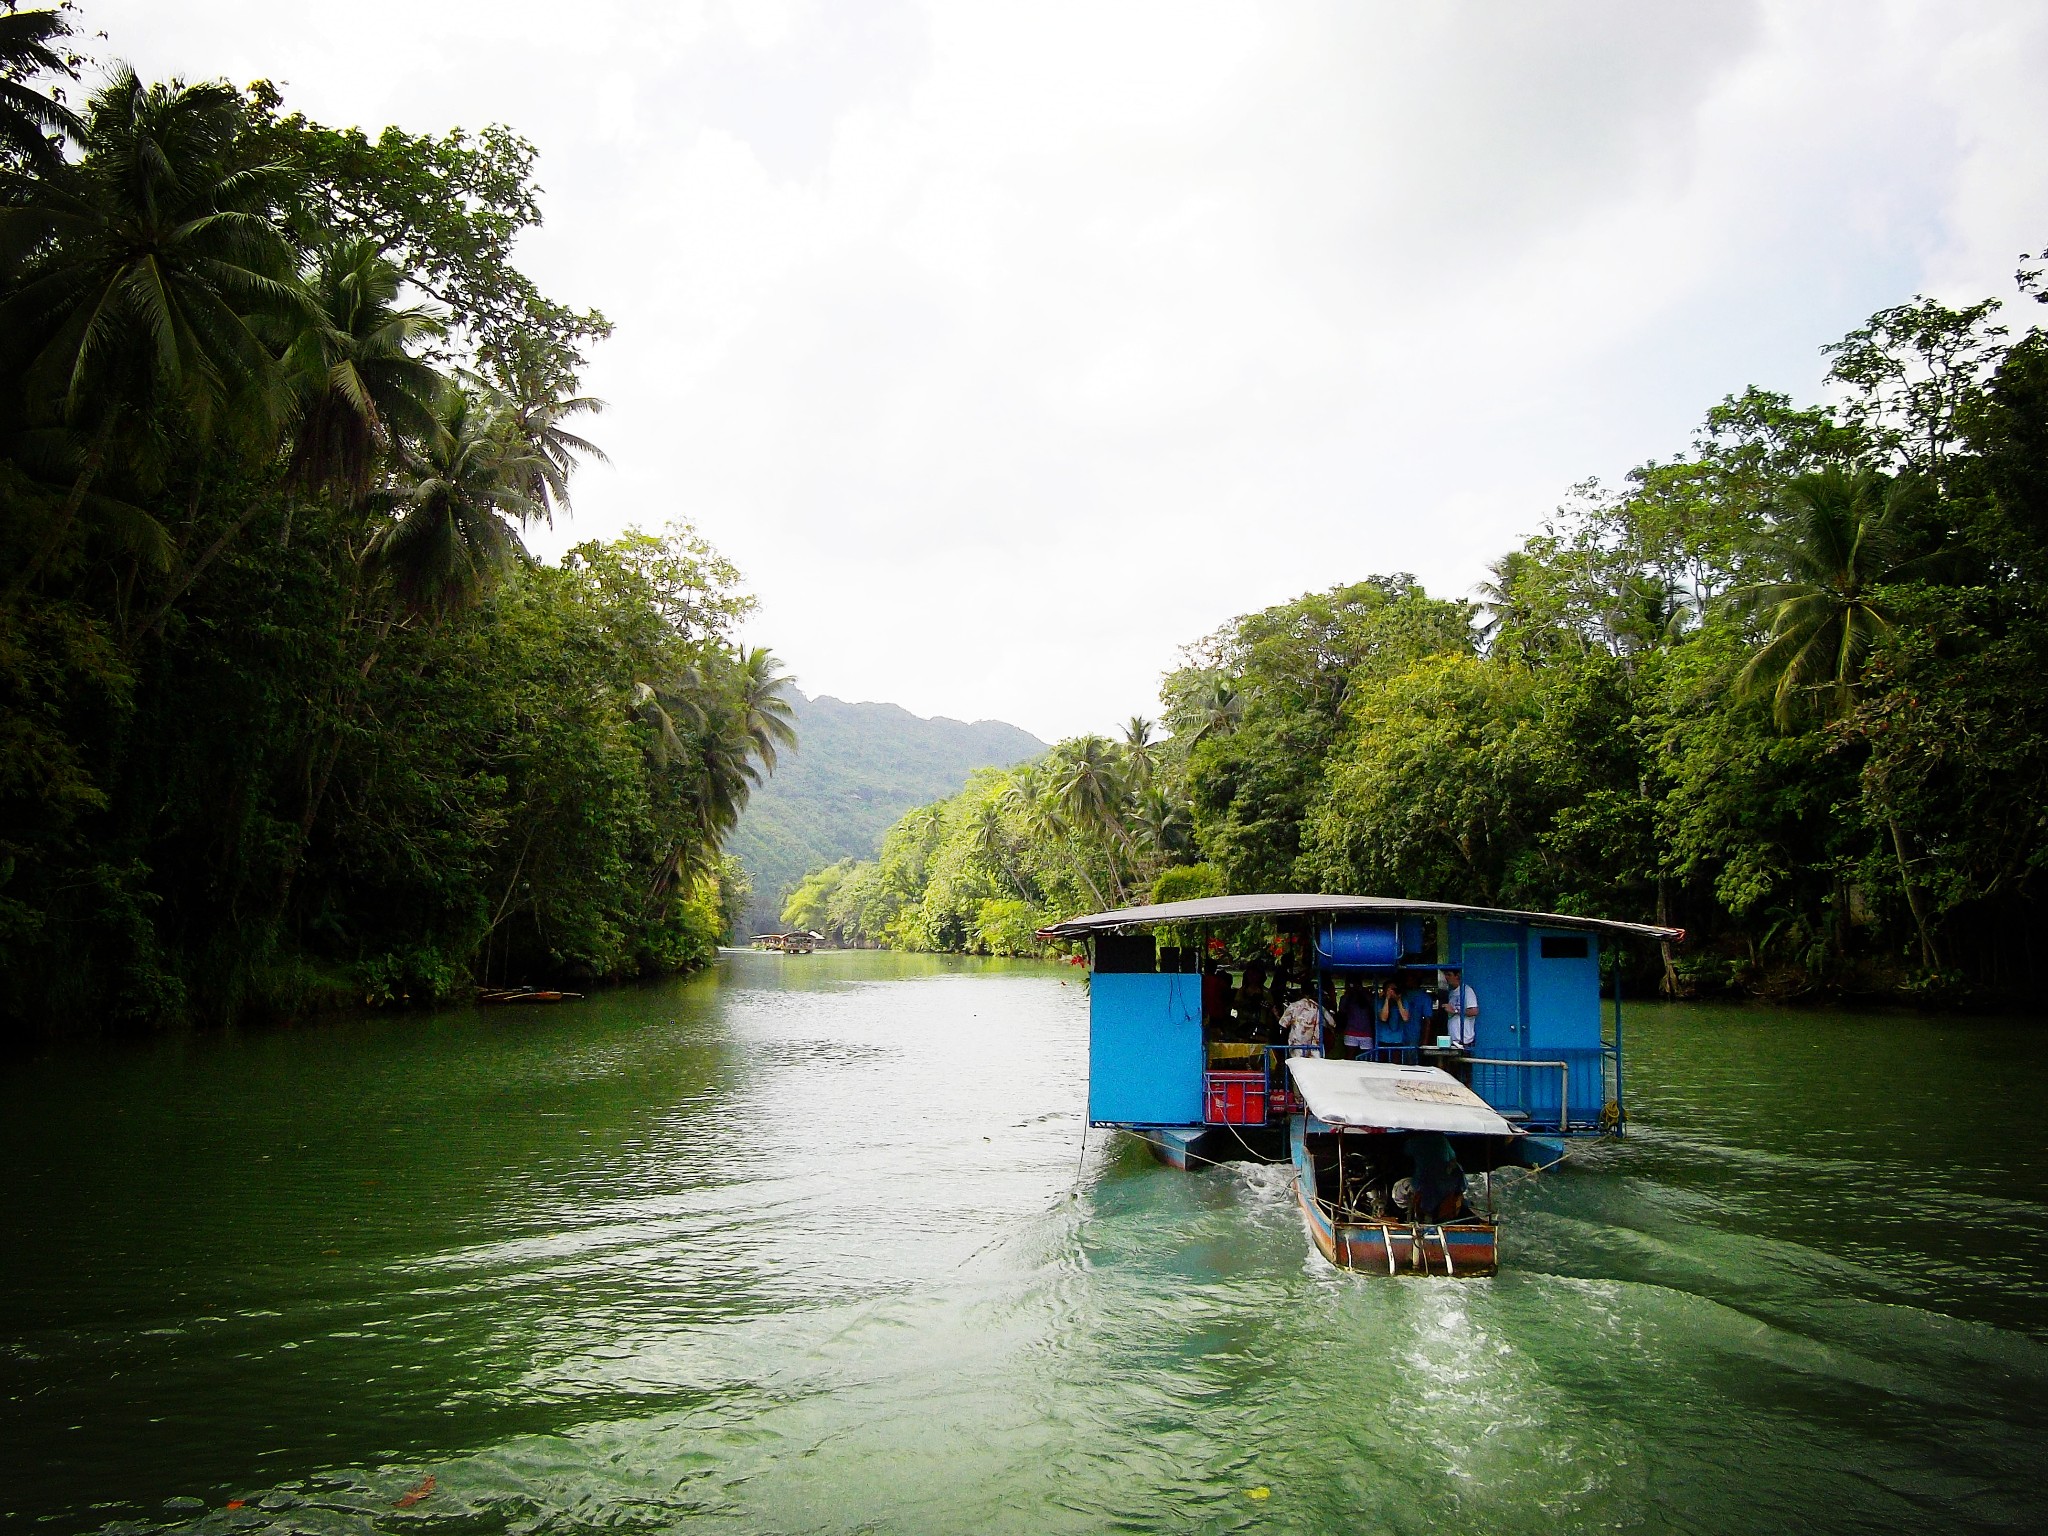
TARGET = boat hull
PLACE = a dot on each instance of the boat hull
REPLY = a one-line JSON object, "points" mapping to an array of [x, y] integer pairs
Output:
{"points": [[1198, 1147]]}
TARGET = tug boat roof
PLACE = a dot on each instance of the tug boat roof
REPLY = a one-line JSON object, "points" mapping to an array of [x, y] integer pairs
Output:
{"points": [[1383, 1096]]}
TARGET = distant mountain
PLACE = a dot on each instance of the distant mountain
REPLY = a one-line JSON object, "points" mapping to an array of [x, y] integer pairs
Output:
{"points": [[856, 769]]}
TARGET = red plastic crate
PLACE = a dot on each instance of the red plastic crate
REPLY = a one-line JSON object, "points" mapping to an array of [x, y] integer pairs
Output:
{"points": [[1235, 1098]]}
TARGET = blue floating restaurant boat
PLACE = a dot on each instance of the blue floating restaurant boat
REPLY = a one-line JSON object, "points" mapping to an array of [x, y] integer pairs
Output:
{"points": [[1393, 1150]]}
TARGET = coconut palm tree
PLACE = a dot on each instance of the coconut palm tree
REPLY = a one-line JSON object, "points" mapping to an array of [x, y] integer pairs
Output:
{"points": [[1033, 796], [717, 776], [766, 716], [350, 385], [658, 707], [1218, 709], [721, 771], [1141, 752], [537, 386], [1841, 536], [449, 535], [142, 273], [1092, 791], [1160, 824], [719, 725], [1091, 788], [33, 123], [993, 847], [1027, 797], [355, 383]]}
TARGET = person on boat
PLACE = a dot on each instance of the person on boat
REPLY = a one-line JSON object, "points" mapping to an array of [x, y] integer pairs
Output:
{"points": [[1254, 1003], [1399, 1029], [1355, 1021], [1421, 1004], [1305, 1025], [1434, 1188], [1461, 1009], [1215, 996]]}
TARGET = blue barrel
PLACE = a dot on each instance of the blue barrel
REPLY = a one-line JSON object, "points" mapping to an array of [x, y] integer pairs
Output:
{"points": [[1358, 944]]}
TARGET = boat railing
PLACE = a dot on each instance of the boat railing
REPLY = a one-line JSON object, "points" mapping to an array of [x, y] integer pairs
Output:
{"points": [[1547, 1087]]}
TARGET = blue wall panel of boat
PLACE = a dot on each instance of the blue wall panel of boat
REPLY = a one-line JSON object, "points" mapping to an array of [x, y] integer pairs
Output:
{"points": [[1564, 989], [1145, 1049]]}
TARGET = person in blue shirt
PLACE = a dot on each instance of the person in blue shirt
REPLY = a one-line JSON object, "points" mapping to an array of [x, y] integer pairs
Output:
{"points": [[1421, 1005], [1400, 1028]]}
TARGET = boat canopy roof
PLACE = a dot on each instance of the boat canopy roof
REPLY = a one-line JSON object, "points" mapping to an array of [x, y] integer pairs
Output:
{"points": [[1210, 909], [1382, 1096]]}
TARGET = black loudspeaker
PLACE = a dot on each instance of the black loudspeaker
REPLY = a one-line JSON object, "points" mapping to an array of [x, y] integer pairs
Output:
{"points": [[1180, 961], [1120, 954]]}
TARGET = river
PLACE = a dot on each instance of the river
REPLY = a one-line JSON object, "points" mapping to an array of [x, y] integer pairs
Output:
{"points": [[812, 1244]]}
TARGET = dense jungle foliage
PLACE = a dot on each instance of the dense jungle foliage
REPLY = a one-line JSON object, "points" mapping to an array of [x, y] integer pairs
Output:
{"points": [[288, 717], [1788, 690]]}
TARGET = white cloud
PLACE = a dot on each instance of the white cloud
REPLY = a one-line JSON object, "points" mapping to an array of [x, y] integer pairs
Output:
{"points": [[1008, 348]]}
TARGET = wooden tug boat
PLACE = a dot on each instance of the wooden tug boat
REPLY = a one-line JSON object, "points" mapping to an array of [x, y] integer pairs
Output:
{"points": [[1353, 1147], [1393, 1157]]}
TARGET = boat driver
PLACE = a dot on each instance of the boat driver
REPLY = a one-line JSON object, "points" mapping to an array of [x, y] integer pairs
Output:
{"points": [[1435, 1188]]}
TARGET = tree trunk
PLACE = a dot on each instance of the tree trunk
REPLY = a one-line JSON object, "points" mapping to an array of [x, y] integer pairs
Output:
{"points": [[68, 513], [316, 783], [1670, 985], [1929, 956], [1081, 870], [197, 568]]}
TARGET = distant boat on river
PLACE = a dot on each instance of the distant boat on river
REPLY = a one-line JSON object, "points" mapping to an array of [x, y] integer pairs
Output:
{"points": [[1385, 1147], [798, 941]]}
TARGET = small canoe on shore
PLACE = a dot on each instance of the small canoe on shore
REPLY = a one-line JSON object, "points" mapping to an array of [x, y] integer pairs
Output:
{"points": [[525, 995]]}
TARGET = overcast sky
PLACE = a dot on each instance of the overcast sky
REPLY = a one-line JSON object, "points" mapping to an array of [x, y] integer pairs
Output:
{"points": [[1007, 348]]}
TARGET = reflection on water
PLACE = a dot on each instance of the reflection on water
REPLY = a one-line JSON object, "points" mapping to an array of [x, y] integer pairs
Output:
{"points": [[812, 1244]]}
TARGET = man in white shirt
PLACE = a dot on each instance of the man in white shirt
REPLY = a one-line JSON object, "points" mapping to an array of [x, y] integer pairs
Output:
{"points": [[1462, 1004]]}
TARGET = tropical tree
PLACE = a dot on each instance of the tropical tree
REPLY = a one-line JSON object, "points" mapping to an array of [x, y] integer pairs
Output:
{"points": [[535, 380], [1160, 826], [449, 534], [717, 728], [1218, 708], [350, 386], [355, 382], [1035, 796], [1842, 538], [144, 272], [992, 843], [1092, 792], [33, 123], [1141, 751], [761, 688]]}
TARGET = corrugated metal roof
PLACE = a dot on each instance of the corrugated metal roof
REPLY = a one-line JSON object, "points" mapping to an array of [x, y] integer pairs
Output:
{"points": [[1386, 1097], [1224, 908]]}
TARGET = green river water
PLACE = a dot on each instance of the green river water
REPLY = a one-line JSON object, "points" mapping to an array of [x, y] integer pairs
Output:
{"points": [[812, 1244]]}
